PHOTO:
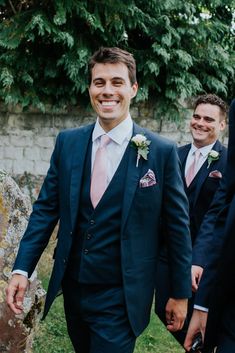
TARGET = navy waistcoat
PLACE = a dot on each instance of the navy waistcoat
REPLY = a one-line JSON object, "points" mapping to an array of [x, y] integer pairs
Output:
{"points": [[95, 257]]}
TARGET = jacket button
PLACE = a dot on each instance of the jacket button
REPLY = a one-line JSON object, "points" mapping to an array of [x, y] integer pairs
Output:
{"points": [[86, 251]]}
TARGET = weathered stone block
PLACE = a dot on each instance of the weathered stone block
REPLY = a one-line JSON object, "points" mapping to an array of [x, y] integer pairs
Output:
{"points": [[12, 152], [24, 139], [46, 155], [41, 168], [32, 153], [16, 330], [44, 141], [21, 168], [6, 164], [4, 140], [15, 121]]}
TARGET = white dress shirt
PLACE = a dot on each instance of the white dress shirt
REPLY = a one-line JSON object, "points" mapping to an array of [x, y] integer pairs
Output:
{"points": [[120, 137], [201, 308]]}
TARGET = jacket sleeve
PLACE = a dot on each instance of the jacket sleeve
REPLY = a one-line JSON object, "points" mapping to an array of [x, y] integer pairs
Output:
{"points": [[175, 220], [204, 237], [43, 218], [221, 252], [215, 249]]}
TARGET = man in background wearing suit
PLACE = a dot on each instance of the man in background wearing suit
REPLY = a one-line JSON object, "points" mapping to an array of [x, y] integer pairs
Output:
{"points": [[203, 165], [216, 288], [110, 184]]}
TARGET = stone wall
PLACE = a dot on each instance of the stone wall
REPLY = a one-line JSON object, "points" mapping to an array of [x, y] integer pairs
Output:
{"points": [[27, 139], [16, 331]]}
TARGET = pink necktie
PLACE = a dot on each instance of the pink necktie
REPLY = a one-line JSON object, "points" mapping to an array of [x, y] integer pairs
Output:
{"points": [[99, 174], [192, 168]]}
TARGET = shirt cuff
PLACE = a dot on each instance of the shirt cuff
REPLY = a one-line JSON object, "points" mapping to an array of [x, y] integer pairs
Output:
{"points": [[20, 272], [202, 308]]}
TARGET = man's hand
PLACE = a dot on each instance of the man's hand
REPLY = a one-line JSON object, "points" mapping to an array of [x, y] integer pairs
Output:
{"points": [[196, 276], [15, 292], [197, 325], [176, 311]]}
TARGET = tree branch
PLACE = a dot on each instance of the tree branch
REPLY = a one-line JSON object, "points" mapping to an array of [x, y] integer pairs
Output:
{"points": [[12, 7]]}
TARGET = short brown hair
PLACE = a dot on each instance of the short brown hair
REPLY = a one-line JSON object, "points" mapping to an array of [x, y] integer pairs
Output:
{"points": [[113, 56], [214, 100]]}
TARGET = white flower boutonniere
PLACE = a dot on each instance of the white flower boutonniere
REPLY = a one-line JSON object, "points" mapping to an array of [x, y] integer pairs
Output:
{"points": [[212, 156], [141, 143]]}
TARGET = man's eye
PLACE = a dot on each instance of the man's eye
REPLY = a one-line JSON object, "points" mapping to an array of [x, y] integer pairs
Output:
{"points": [[117, 83], [99, 83]]}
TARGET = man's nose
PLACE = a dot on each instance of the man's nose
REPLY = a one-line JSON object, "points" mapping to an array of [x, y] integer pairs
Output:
{"points": [[108, 89], [200, 121]]}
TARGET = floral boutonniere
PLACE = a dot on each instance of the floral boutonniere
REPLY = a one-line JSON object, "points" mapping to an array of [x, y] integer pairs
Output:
{"points": [[141, 143], [212, 156]]}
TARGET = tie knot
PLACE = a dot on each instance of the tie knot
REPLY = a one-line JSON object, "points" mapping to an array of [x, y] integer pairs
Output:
{"points": [[104, 140]]}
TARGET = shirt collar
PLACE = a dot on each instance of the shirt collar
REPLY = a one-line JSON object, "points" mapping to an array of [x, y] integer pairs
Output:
{"points": [[118, 134], [204, 150]]}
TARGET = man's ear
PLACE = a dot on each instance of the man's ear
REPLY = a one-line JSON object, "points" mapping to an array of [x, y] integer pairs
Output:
{"points": [[134, 89], [222, 125]]}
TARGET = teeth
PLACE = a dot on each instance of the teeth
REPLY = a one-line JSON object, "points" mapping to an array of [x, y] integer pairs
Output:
{"points": [[110, 103]]}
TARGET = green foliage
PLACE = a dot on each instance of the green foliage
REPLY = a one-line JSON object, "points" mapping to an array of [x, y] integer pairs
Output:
{"points": [[182, 48]]}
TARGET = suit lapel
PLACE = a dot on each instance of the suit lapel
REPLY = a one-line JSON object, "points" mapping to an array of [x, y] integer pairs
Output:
{"points": [[132, 178], [205, 171], [183, 153], [79, 155]]}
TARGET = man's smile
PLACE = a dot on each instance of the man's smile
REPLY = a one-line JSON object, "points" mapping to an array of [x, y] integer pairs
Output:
{"points": [[109, 103]]}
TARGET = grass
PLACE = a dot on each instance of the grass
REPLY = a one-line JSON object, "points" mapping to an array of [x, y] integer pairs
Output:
{"points": [[51, 334]]}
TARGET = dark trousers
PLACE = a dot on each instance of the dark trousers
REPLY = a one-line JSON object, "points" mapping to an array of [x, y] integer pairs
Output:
{"points": [[226, 344], [226, 340], [96, 318]]}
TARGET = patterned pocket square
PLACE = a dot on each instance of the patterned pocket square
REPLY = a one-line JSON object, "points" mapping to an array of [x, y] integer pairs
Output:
{"points": [[215, 174], [148, 179]]}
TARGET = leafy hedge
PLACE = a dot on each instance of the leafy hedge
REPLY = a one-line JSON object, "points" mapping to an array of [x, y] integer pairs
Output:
{"points": [[182, 48]]}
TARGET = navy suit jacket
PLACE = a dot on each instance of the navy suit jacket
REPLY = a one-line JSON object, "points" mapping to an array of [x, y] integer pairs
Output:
{"points": [[205, 236], [203, 194], [143, 211], [216, 288]]}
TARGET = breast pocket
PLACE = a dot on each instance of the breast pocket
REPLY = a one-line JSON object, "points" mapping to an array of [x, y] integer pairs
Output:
{"points": [[147, 198], [148, 189]]}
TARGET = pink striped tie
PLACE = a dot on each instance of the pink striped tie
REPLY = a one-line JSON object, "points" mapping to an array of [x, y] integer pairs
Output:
{"points": [[99, 174], [192, 168]]}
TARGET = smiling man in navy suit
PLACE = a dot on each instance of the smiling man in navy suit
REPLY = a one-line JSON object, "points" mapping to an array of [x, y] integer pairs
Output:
{"points": [[216, 289], [208, 120], [108, 241]]}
